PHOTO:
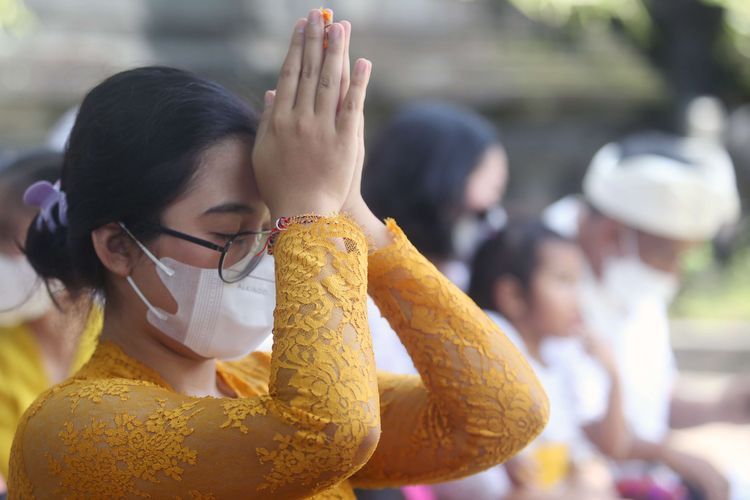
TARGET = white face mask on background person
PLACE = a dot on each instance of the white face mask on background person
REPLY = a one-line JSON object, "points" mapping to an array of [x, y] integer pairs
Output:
{"points": [[23, 296], [470, 230], [627, 280], [214, 319]]}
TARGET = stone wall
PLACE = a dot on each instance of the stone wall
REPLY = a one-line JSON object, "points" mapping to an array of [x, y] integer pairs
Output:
{"points": [[556, 96]]}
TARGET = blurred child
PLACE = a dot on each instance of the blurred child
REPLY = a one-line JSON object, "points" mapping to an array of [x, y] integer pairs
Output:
{"points": [[526, 278]]}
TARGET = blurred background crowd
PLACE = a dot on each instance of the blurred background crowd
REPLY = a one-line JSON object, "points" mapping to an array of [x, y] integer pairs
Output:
{"points": [[580, 167]]}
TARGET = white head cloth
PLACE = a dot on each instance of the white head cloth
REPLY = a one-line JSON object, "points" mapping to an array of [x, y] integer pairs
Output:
{"points": [[689, 196]]}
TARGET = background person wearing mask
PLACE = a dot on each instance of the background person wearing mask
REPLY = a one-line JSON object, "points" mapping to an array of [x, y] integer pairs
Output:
{"points": [[441, 171], [647, 201], [40, 345]]}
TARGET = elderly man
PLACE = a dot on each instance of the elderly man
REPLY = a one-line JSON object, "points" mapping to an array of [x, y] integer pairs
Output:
{"points": [[646, 201]]}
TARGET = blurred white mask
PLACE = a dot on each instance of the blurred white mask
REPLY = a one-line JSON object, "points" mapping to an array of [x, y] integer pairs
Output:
{"points": [[628, 281], [23, 297]]}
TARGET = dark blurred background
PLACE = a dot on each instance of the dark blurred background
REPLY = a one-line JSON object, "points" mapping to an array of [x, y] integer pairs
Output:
{"points": [[560, 77]]}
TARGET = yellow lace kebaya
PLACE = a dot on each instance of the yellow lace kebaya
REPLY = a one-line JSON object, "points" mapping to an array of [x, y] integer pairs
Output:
{"points": [[311, 420], [23, 376]]}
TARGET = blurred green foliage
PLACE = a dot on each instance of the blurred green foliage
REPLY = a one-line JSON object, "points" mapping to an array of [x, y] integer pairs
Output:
{"points": [[633, 16], [736, 38], [713, 291], [15, 17]]}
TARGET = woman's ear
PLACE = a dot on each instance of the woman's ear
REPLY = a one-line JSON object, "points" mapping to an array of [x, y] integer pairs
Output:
{"points": [[509, 298], [115, 249]]}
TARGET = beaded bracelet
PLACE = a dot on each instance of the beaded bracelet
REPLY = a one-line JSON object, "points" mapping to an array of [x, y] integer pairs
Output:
{"points": [[283, 223]]}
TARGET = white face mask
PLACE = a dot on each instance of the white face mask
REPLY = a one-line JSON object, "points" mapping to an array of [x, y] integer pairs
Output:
{"points": [[471, 230], [23, 297], [214, 319], [628, 281]]}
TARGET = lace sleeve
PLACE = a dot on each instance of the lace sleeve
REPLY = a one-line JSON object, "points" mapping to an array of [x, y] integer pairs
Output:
{"points": [[477, 403], [112, 438]]}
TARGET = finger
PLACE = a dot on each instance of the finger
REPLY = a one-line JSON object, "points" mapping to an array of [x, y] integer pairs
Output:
{"points": [[361, 127], [354, 101], [312, 59], [329, 85], [268, 100], [360, 151], [346, 70], [286, 86]]}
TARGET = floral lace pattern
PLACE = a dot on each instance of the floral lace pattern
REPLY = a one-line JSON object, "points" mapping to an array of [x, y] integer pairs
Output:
{"points": [[95, 392], [482, 402], [307, 418], [110, 459], [237, 412]]}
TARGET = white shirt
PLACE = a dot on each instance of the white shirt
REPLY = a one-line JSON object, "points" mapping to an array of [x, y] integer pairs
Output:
{"points": [[390, 353], [586, 383], [639, 340]]}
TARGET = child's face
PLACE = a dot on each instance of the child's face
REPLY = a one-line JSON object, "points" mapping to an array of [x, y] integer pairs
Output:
{"points": [[553, 295]]}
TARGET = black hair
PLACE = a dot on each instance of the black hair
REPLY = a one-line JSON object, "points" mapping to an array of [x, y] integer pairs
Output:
{"points": [[136, 145], [25, 168], [418, 168], [512, 252], [17, 173]]}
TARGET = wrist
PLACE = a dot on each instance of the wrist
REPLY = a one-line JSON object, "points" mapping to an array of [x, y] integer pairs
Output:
{"points": [[649, 451], [613, 374], [281, 224], [378, 234], [286, 210]]}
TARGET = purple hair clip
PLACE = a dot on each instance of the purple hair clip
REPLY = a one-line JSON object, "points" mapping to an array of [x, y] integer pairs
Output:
{"points": [[45, 196]]}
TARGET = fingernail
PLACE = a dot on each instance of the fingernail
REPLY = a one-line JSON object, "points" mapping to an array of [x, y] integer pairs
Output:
{"points": [[269, 97], [335, 31], [360, 66], [300, 26], [314, 16]]}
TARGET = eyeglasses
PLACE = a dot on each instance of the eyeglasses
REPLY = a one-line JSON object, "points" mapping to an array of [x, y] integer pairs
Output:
{"points": [[239, 255]]}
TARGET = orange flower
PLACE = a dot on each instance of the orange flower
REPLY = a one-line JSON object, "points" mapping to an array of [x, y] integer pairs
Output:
{"points": [[327, 16], [327, 20]]}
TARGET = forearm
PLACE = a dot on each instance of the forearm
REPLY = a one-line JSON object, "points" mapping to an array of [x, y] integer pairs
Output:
{"points": [[476, 380], [477, 402], [658, 452], [611, 434], [647, 451], [685, 413], [693, 470], [320, 324]]}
